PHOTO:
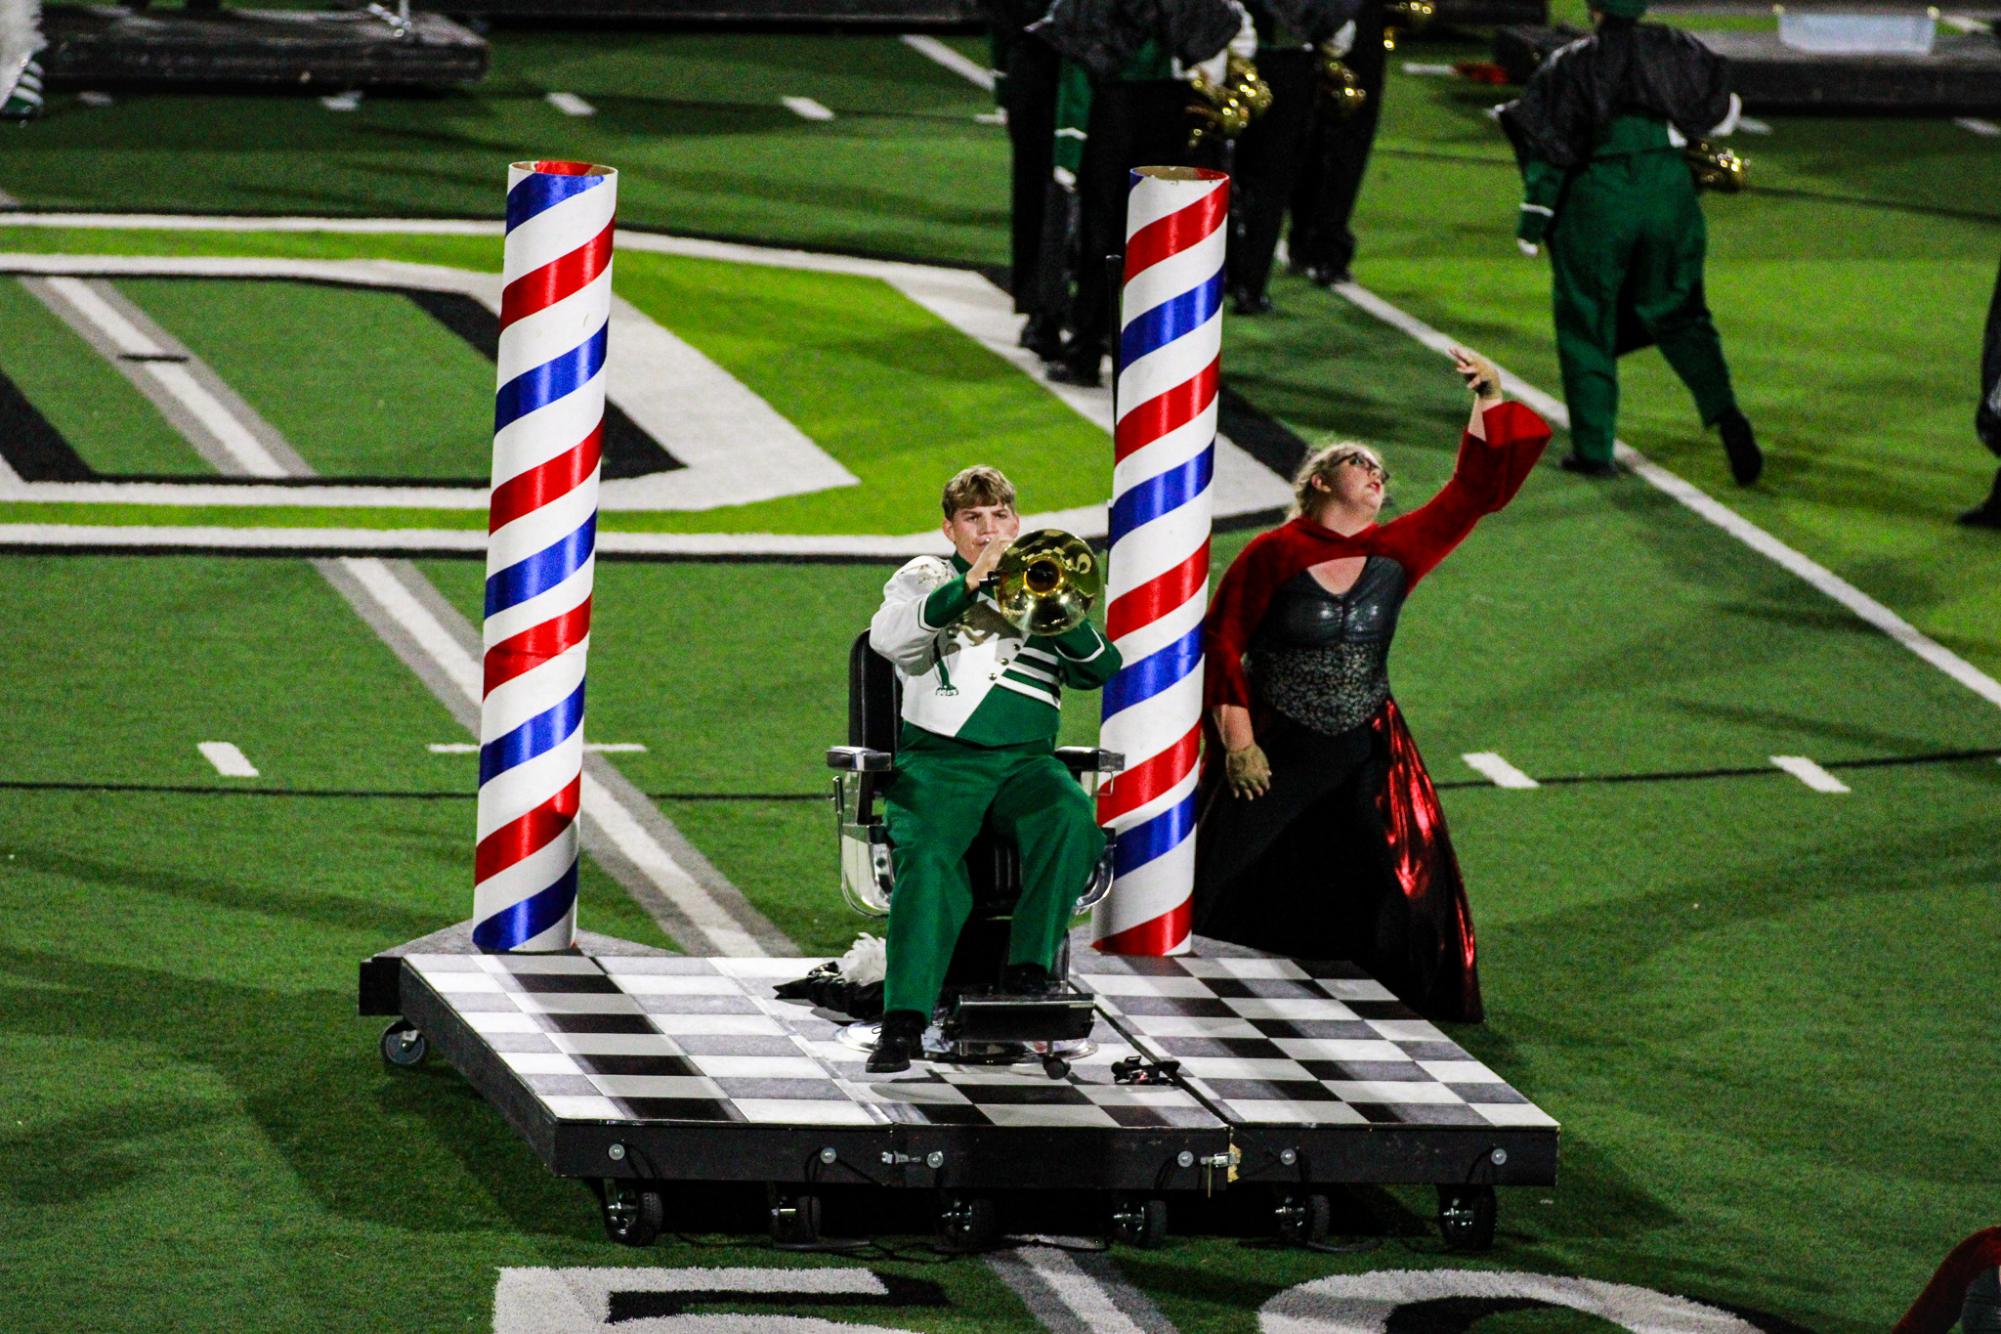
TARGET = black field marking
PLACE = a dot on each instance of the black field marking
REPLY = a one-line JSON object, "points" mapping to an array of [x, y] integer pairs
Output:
{"points": [[392, 794], [155, 356], [32, 444], [628, 450], [898, 1291], [1259, 434]]}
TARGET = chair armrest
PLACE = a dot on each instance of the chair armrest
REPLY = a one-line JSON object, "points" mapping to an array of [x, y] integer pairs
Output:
{"points": [[860, 759], [1087, 760]]}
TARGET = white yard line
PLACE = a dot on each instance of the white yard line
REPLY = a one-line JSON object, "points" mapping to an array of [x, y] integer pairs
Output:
{"points": [[1067, 1299], [1965, 23], [1489, 765], [806, 108], [96, 99], [972, 71], [1752, 125], [227, 759], [1815, 777], [570, 104], [1428, 71], [1986, 129], [1714, 511], [349, 101]]}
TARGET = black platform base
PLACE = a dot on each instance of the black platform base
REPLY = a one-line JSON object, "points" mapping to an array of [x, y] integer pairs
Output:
{"points": [[93, 46], [1961, 76], [620, 1064]]}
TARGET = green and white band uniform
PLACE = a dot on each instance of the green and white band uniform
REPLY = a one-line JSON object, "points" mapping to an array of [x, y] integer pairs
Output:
{"points": [[981, 707]]}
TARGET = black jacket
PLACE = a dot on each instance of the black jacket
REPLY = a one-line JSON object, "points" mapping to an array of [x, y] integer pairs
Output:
{"points": [[1623, 68], [1102, 35], [1311, 20], [1987, 420]]}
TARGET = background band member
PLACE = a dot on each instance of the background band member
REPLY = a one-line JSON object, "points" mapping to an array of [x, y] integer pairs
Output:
{"points": [[1987, 417], [1600, 129], [1268, 164], [980, 710], [1322, 245], [1321, 836], [1026, 93], [1135, 54]]}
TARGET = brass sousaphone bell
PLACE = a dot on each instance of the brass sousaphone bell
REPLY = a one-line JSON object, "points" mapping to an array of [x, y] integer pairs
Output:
{"points": [[1046, 581]]}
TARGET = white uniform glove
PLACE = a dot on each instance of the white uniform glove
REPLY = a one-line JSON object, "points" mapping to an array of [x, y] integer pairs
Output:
{"points": [[1245, 44], [1342, 42], [1529, 248]]}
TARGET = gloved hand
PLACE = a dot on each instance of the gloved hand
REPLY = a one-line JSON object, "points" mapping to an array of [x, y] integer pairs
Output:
{"points": [[1530, 223], [1342, 42], [1529, 248], [1244, 45], [1248, 772]]}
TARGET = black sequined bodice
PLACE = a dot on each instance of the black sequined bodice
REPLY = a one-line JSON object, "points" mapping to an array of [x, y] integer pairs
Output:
{"points": [[1322, 659]]}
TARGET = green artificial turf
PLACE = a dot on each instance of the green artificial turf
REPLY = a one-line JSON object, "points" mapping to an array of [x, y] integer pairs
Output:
{"points": [[1761, 1013]]}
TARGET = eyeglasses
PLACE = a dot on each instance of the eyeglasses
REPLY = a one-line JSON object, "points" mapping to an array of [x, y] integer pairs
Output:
{"points": [[1366, 464]]}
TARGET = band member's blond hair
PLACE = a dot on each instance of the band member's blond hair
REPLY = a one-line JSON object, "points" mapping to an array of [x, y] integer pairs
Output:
{"points": [[1321, 463], [976, 486]]}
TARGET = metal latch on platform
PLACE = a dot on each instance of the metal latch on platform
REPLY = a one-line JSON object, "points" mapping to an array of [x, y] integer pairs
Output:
{"points": [[933, 1160], [1227, 1161]]}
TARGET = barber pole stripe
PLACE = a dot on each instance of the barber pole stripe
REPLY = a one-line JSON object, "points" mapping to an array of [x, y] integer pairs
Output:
{"points": [[1164, 459], [548, 436]]}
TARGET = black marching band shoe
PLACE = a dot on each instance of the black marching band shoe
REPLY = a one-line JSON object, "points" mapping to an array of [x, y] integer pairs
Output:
{"points": [[901, 1041]]}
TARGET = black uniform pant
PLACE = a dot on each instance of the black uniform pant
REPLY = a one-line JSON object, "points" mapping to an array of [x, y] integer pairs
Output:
{"points": [[1139, 124], [1336, 157], [1265, 168], [1305, 869], [1031, 131]]}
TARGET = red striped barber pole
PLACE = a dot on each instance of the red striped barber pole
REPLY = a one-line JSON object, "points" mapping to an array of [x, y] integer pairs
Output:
{"points": [[548, 423], [1170, 345]]}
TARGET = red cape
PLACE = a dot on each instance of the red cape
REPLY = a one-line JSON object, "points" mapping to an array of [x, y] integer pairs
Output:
{"points": [[1938, 1307]]}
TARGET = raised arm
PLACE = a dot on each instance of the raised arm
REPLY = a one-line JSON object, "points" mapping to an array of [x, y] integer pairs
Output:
{"points": [[1500, 446]]}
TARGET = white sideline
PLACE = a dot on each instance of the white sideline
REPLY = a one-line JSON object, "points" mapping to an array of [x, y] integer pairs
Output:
{"points": [[1489, 765], [964, 66], [1715, 511], [227, 759], [570, 104], [806, 108], [1815, 777]]}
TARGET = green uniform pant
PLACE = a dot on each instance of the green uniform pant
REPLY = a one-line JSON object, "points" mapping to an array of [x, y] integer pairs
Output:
{"points": [[945, 792], [1630, 231]]}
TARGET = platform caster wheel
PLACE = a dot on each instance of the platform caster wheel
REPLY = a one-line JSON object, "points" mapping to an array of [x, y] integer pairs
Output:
{"points": [[1141, 1223], [403, 1046], [1304, 1219], [1055, 1067], [795, 1219], [968, 1223], [1466, 1217], [633, 1215]]}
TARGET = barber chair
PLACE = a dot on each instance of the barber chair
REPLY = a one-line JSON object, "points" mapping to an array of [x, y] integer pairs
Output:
{"points": [[976, 1020]]}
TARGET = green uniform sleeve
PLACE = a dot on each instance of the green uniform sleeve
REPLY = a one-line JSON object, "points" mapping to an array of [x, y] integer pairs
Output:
{"points": [[1542, 182], [1088, 658], [947, 603]]}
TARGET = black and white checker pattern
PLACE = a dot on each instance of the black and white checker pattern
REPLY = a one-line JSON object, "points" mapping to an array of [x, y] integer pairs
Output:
{"points": [[1270, 1040], [664, 1038]]}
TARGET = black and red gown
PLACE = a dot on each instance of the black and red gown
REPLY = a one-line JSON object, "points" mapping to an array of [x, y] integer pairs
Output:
{"points": [[1347, 855]]}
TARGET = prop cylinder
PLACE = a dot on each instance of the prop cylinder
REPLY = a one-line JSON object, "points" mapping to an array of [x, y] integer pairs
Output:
{"points": [[548, 422], [1164, 444]]}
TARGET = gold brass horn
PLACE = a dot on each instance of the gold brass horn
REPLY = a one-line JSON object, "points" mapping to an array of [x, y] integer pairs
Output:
{"points": [[1714, 168], [1223, 110], [1046, 582], [1342, 87]]}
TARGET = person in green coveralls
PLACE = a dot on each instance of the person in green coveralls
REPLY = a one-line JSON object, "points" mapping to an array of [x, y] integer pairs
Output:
{"points": [[981, 702], [1600, 130]]}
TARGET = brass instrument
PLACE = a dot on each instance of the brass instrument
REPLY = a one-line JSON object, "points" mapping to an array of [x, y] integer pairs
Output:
{"points": [[1341, 86], [1718, 169], [1046, 582], [1225, 109], [1402, 16]]}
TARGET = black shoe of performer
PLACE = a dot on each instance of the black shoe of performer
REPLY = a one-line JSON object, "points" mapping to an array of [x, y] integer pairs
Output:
{"points": [[1025, 979], [1072, 368], [1322, 274], [1746, 459], [1246, 302], [901, 1041], [1039, 337], [1987, 514], [1575, 462]]}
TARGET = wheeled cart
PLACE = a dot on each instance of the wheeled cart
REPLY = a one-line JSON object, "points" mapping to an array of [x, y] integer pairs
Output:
{"points": [[635, 1069]]}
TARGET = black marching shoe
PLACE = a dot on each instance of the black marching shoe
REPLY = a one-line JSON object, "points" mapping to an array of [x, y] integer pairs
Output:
{"points": [[1042, 337], [1987, 514], [1325, 275], [1746, 459], [1589, 467], [901, 1041], [1246, 302], [1072, 368]]}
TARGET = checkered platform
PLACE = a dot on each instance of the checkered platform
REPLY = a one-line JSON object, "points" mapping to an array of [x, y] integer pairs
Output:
{"points": [[1270, 1040], [659, 1038]]}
